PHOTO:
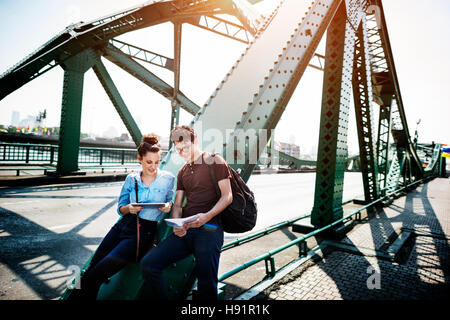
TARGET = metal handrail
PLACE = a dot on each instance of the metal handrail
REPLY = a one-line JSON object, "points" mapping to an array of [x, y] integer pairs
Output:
{"points": [[101, 168], [262, 232], [267, 257], [41, 153]]}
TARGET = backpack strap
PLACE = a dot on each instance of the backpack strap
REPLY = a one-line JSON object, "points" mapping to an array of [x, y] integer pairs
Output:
{"points": [[137, 221], [213, 175], [136, 189], [216, 185]]}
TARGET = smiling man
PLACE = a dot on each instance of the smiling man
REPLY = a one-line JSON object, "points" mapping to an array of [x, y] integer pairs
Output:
{"points": [[202, 237]]}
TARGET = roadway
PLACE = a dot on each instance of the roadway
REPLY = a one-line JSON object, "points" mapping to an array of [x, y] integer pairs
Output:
{"points": [[46, 230]]}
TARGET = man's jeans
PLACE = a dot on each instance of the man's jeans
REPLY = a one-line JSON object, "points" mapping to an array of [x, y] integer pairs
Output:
{"points": [[204, 243]]}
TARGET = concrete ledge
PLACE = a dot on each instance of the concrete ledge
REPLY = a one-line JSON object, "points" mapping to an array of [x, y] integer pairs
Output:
{"points": [[368, 252], [265, 284], [395, 247], [304, 226], [391, 253]]}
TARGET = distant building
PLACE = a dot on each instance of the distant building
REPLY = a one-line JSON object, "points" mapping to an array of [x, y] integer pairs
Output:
{"points": [[124, 137], [15, 118], [290, 149]]}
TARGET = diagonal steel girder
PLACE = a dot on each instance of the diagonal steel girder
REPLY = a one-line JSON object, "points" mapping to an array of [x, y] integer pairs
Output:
{"points": [[79, 37], [384, 128], [386, 79], [269, 101], [362, 93], [138, 71], [141, 54], [222, 27], [116, 99]]}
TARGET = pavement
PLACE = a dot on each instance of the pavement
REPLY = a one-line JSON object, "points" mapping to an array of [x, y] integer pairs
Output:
{"points": [[398, 252], [401, 252]]}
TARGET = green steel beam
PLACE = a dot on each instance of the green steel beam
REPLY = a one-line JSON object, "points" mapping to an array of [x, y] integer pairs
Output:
{"points": [[72, 97], [332, 152], [251, 22], [222, 27], [142, 54], [138, 71], [78, 37], [384, 128], [433, 166], [362, 94], [381, 36], [116, 99], [278, 78]]}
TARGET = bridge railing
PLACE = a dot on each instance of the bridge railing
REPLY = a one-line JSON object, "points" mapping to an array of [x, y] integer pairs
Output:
{"points": [[18, 153], [27, 153], [268, 257]]}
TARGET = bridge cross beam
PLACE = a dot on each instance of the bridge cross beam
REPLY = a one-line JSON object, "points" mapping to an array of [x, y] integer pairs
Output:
{"points": [[116, 99]]}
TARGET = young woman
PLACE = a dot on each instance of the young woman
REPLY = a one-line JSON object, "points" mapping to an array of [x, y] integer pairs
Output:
{"points": [[133, 235]]}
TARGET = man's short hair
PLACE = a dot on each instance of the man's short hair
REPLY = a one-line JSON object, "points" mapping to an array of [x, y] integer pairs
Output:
{"points": [[182, 133]]}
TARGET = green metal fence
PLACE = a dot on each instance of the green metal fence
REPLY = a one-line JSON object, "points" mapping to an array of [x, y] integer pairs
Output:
{"points": [[48, 154]]}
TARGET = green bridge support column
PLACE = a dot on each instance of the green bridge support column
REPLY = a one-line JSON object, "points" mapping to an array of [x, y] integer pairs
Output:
{"points": [[384, 129], [72, 97], [332, 152], [442, 167]]}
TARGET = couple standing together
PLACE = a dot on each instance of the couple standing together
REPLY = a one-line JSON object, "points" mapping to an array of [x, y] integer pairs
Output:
{"points": [[132, 236]]}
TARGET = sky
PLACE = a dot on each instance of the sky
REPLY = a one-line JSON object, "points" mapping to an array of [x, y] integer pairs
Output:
{"points": [[419, 31]]}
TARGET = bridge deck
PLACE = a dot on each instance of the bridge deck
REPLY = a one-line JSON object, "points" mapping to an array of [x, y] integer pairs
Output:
{"points": [[416, 228], [47, 230]]}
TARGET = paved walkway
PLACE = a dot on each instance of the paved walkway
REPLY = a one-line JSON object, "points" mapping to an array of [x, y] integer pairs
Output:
{"points": [[415, 227]]}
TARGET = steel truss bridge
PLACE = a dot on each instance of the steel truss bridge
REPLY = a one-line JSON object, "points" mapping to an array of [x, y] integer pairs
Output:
{"points": [[358, 61]]}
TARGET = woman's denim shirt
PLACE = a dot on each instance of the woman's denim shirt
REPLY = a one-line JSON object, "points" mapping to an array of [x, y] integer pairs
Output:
{"points": [[161, 190]]}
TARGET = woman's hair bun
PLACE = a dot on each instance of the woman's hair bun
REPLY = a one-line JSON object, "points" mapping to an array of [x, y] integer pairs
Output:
{"points": [[149, 144], [150, 138]]}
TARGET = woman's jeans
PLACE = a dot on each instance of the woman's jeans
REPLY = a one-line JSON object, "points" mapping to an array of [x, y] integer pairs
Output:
{"points": [[204, 243], [116, 250]]}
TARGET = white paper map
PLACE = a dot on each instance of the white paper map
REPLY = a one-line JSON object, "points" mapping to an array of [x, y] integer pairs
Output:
{"points": [[180, 222]]}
